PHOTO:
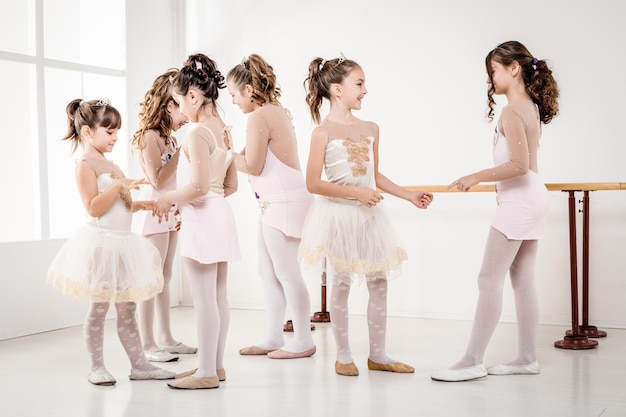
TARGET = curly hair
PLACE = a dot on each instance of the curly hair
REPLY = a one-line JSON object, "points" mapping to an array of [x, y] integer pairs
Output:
{"points": [[200, 72], [153, 114], [540, 84], [322, 74], [93, 113], [258, 74]]}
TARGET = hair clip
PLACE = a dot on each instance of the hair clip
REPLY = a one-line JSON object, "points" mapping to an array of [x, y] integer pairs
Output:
{"points": [[243, 62], [323, 63], [103, 102], [198, 64], [341, 58], [535, 60]]}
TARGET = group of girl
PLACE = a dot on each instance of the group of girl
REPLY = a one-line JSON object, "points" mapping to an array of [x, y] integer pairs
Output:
{"points": [[343, 231]]}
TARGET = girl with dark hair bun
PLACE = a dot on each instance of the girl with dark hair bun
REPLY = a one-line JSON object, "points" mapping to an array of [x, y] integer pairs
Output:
{"points": [[208, 236], [520, 219], [347, 233]]}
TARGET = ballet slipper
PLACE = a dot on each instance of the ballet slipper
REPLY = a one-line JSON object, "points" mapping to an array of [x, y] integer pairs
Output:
{"points": [[281, 354], [398, 367], [347, 369], [191, 382], [255, 350]]}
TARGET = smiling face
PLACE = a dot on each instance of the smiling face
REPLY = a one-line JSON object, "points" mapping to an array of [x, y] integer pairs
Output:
{"points": [[242, 97], [352, 89], [178, 118], [101, 138]]}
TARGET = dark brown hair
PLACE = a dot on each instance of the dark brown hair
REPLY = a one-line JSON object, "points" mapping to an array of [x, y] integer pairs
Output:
{"points": [[199, 71], [540, 84], [93, 113]]}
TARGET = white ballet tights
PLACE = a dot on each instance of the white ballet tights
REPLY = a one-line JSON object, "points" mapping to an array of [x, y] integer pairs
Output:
{"points": [[127, 331], [209, 291], [160, 304], [518, 258], [376, 317], [283, 286]]}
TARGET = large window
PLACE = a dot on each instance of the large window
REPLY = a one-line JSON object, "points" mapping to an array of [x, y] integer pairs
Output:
{"points": [[51, 52]]}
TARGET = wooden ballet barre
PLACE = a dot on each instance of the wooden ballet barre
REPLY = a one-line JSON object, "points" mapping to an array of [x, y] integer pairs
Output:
{"points": [[583, 186]]}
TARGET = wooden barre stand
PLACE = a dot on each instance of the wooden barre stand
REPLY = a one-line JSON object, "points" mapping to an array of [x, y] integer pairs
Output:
{"points": [[578, 336]]}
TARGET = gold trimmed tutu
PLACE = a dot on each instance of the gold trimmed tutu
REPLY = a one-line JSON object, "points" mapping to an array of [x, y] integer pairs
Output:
{"points": [[104, 265], [357, 241]]}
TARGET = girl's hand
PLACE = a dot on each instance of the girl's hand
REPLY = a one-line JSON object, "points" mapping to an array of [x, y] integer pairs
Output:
{"points": [[367, 196], [132, 184], [162, 208], [421, 199], [465, 183]]}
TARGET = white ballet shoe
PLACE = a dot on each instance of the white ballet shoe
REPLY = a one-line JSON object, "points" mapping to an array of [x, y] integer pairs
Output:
{"points": [[463, 374], [159, 373], [528, 369], [102, 377]]}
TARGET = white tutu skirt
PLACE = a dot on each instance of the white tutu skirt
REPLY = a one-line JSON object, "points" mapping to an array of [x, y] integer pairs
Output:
{"points": [[103, 265], [358, 242]]}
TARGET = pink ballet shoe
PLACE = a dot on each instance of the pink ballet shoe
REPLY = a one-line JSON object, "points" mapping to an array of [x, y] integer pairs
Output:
{"points": [[281, 354], [255, 350], [191, 382]]}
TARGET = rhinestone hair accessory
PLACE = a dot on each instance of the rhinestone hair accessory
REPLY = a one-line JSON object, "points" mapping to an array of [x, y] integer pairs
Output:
{"points": [[535, 60], [105, 101], [243, 62], [341, 58]]}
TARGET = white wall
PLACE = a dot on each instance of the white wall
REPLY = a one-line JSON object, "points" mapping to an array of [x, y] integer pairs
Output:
{"points": [[425, 75], [424, 63]]}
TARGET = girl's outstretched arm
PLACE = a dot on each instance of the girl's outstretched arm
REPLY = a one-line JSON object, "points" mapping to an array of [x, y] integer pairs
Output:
{"points": [[420, 199]]}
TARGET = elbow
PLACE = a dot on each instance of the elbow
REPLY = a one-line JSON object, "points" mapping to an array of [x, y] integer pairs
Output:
{"points": [[230, 190], [94, 212], [523, 170], [310, 187]]}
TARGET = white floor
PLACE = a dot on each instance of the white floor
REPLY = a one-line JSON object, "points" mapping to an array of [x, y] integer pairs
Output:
{"points": [[46, 375]]}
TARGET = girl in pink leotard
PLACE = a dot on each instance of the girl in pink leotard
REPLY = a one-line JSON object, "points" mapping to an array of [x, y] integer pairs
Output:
{"points": [[270, 159], [532, 96]]}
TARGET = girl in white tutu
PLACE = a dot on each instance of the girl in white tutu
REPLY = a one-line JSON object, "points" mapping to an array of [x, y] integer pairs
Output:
{"points": [[347, 230], [104, 262]]}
